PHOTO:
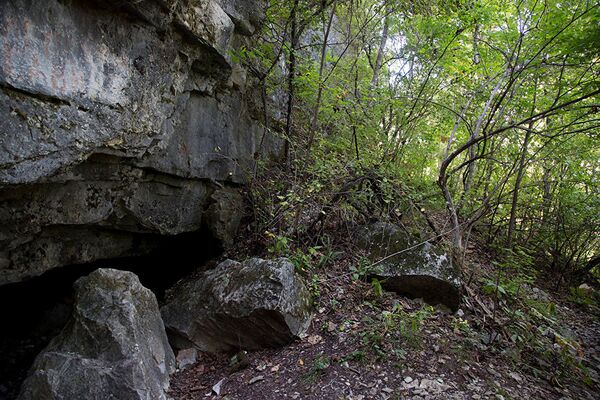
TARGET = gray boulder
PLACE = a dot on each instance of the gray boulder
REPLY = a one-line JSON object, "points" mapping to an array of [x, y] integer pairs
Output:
{"points": [[250, 305], [380, 239], [114, 347], [415, 270]]}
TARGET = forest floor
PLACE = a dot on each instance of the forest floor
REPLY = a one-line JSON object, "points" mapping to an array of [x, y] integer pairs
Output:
{"points": [[367, 346]]}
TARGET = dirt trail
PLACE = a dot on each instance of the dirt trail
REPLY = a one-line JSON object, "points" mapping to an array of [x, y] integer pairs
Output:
{"points": [[361, 346]]}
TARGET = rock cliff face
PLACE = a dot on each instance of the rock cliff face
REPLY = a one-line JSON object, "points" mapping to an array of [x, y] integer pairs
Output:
{"points": [[121, 121]]}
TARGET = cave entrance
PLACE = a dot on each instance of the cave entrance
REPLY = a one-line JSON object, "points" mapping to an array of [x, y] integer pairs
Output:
{"points": [[34, 311]]}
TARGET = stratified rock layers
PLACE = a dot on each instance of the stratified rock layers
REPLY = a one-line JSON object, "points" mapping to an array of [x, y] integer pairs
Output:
{"points": [[120, 119]]}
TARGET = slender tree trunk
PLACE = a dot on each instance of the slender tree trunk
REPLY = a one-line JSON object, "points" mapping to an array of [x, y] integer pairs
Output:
{"points": [[456, 124], [291, 75], [354, 123], [546, 198], [546, 189], [457, 241], [315, 113], [381, 50], [515, 197], [476, 54], [476, 132]]}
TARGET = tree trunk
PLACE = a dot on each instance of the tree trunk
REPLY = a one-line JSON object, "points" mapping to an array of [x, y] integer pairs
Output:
{"points": [[457, 241], [515, 197], [476, 132], [381, 50], [291, 75], [315, 113]]}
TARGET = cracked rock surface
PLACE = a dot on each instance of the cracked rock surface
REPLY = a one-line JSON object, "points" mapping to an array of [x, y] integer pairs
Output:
{"points": [[114, 346], [250, 305], [120, 120], [415, 270]]}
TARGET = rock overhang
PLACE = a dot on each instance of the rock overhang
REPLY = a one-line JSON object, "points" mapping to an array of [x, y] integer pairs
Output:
{"points": [[122, 117]]}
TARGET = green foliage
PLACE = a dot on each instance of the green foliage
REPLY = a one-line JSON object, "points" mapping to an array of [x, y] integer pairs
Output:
{"points": [[305, 261], [535, 337], [516, 270], [444, 64], [280, 245], [318, 368], [363, 269], [585, 297], [356, 355], [461, 325], [390, 332], [517, 79], [308, 262], [409, 324], [377, 289], [538, 344]]}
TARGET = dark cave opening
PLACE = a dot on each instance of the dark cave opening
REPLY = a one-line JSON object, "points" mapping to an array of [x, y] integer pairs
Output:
{"points": [[34, 311]]}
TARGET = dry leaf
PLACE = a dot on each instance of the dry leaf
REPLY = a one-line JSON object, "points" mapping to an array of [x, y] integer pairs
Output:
{"points": [[314, 339], [331, 326], [256, 379]]}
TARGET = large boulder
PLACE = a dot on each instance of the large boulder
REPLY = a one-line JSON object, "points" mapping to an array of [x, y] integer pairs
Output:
{"points": [[114, 347], [250, 305], [415, 270], [380, 239]]}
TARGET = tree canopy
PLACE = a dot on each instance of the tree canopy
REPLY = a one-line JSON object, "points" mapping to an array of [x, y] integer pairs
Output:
{"points": [[485, 110]]}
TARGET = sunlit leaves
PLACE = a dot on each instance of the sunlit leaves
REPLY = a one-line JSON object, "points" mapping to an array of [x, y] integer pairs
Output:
{"points": [[448, 67]]}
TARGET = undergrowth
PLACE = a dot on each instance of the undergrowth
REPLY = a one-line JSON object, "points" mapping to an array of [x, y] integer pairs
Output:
{"points": [[309, 213]]}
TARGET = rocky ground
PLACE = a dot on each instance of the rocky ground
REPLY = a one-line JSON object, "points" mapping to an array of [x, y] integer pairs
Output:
{"points": [[362, 345], [510, 338]]}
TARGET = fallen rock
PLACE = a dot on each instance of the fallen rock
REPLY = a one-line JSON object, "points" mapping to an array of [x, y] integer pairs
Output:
{"points": [[114, 345], [414, 270], [186, 357], [250, 305], [217, 387], [584, 287], [256, 379], [536, 293], [380, 239]]}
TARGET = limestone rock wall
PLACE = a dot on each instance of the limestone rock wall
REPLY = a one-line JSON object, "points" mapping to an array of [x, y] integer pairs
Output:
{"points": [[120, 119]]}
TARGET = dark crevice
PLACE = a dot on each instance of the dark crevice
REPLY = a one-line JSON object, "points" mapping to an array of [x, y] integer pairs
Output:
{"points": [[102, 156], [34, 311], [36, 95]]}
